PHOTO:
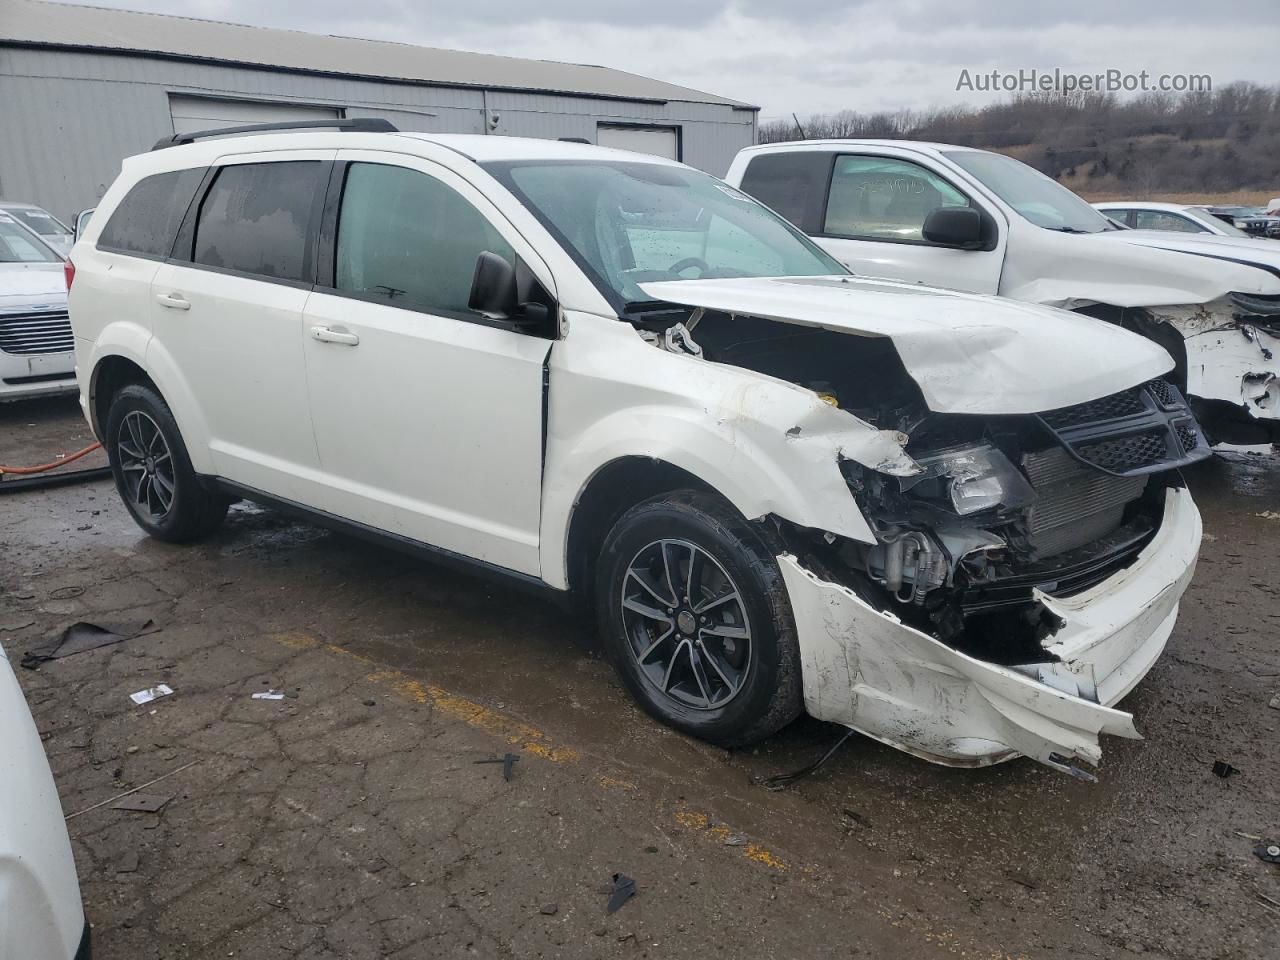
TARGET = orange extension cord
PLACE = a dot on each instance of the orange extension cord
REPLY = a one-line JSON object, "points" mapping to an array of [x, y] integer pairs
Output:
{"points": [[45, 467]]}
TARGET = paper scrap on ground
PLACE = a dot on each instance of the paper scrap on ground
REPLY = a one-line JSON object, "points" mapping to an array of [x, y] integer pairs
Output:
{"points": [[151, 693], [268, 695]]}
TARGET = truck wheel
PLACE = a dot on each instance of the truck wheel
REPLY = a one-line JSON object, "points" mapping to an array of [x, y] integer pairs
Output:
{"points": [[696, 619], [153, 472]]}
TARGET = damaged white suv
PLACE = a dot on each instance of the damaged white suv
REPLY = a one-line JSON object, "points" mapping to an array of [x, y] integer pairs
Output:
{"points": [[952, 522]]}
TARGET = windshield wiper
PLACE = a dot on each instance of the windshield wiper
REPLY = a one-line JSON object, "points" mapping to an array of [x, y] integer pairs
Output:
{"points": [[649, 306], [1068, 230]]}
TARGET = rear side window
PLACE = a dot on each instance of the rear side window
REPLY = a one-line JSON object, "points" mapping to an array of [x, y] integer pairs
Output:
{"points": [[794, 184], [405, 237], [256, 218], [147, 219]]}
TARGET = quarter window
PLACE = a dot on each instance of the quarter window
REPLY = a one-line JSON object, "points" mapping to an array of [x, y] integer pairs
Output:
{"points": [[883, 198], [406, 237], [256, 218], [147, 219]]}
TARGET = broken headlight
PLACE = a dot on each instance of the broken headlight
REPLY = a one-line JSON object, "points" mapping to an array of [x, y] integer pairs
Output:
{"points": [[970, 478]]}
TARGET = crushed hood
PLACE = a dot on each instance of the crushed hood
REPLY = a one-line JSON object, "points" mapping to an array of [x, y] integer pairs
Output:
{"points": [[967, 353], [1258, 251]]}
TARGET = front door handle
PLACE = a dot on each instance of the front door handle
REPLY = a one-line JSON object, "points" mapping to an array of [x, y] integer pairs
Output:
{"points": [[330, 335], [174, 301]]}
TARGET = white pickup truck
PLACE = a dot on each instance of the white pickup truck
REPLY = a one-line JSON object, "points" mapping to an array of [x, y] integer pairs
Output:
{"points": [[982, 222]]}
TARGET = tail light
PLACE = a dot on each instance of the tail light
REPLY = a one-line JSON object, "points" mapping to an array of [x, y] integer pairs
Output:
{"points": [[69, 271]]}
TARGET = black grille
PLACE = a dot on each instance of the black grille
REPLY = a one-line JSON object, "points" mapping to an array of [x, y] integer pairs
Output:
{"points": [[1126, 453], [1133, 432], [1126, 403], [26, 333]]}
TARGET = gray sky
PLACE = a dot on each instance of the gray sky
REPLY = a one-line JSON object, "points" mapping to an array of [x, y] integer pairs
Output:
{"points": [[808, 55]]}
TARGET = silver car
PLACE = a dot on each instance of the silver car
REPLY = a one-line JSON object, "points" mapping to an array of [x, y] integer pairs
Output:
{"points": [[36, 346]]}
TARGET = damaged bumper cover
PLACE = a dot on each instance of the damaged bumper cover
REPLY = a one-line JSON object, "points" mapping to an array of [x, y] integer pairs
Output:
{"points": [[867, 670]]}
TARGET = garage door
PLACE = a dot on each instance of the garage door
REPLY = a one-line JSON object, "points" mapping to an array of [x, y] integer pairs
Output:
{"points": [[659, 141], [191, 114]]}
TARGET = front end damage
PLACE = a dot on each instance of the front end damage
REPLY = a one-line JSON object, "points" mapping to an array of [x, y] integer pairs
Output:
{"points": [[1019, 572], [1232, 348]]}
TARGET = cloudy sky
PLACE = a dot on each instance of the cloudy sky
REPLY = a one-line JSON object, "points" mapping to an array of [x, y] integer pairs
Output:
{"points": [[809, 56]]}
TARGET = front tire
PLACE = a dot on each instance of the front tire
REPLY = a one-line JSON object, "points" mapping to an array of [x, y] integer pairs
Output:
{"points": [[696, 619], [152, 471]]}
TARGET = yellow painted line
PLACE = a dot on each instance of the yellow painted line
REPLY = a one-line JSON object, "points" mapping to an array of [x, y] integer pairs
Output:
{"points": [[699, 822]]}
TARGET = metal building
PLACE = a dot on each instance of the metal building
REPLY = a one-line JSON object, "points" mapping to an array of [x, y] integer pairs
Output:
{"points": [[83, 87]]}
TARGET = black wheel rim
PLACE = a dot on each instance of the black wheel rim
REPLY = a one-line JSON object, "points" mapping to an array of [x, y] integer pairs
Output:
{"points": [[146, 465], [686, 624]]}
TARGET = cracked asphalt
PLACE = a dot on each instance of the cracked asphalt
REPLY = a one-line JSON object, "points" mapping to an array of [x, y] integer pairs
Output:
{"points": [[351, 819]]}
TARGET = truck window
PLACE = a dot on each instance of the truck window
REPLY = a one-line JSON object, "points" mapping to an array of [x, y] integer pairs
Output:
{"points": [[1162, 220], [147, 219], [884, 198], [793, 183], [256, 218]]}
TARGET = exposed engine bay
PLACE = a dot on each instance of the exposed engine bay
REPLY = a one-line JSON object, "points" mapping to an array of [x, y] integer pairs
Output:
{"points": [[1002, 506]]}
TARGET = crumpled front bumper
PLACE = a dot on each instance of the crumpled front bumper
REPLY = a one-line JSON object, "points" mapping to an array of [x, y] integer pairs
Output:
{"points": [[1239, 365], [865, 669]]}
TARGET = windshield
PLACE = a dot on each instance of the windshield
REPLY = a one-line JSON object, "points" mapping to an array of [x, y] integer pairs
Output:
{"points": [[20, 245], [1217, 226], [631, 223], [45, 224], [1038, 198]]}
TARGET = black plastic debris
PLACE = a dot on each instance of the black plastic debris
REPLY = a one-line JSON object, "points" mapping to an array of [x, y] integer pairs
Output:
{"points": [[1269, 852], [781, 781], [1223, 769], [507, 760], [624, 888], [81, 637]]}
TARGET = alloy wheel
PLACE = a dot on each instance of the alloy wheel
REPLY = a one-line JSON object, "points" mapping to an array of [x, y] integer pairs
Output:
{"points": [[146, 464], [686, 624]]}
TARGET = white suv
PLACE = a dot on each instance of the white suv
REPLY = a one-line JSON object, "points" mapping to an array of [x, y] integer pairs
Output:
{"points": [[952, 522]]}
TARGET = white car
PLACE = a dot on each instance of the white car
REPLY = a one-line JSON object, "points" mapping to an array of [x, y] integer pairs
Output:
{"points": [[36, 355], [1174, 217], [983, 222], [42, 223], [612, 377], [41, 915]]}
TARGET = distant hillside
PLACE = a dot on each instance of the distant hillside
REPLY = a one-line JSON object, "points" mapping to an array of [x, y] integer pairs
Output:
{"points": [[1218, 145]]}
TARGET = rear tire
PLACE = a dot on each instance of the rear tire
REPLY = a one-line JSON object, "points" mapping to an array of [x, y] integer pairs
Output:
{"points": [[152, 471], [696, 619]]}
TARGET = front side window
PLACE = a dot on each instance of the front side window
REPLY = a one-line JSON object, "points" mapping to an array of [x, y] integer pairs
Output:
{"points": [[147, 219], [406, 237], [1162, 220], [884, 198], [1033, 196], [19, 245], [256, 218], [632, 223]]}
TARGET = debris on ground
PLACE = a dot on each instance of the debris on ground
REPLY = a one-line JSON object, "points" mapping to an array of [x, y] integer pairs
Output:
{"points": [[128, 862], [268, 695], [1269, 852], [1223, 769], [80, 637], [151, 693], [1274, 704], [142, 802], [507, 760], [548, 910], [735, 840], [624, 888], [781, 781]]}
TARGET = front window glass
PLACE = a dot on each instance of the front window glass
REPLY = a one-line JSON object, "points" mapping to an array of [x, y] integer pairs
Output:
{"points": [[17, 245], [410, 239], [884, 198], [633, 223], [1037, 198], [42, 223], [1163, 220]]}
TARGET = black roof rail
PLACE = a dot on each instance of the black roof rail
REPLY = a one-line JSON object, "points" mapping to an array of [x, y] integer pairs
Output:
{"points": [[356, 125]]}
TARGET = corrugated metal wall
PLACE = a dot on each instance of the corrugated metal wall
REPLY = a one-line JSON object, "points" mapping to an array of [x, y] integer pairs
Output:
{"points": [[70, 117]]}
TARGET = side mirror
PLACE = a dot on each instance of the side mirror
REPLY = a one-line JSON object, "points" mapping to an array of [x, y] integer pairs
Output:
{"points": [[493, 287], [954, 227], [82, 220]]}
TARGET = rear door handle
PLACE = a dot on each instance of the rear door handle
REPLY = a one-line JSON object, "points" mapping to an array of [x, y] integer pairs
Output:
{"points": [[174, 301], [329, 335]]}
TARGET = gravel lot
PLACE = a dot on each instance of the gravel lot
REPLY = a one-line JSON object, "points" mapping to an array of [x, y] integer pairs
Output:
{"points": [[351, 819]]}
